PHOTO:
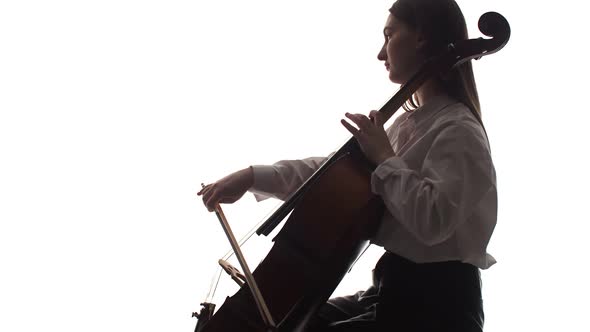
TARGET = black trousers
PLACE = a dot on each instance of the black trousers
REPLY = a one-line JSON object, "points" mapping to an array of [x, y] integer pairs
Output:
{"points": [[409, 297]]}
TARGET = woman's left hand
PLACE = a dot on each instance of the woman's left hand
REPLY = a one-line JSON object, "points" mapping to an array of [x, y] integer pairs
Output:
{"points": [[370, 135]]}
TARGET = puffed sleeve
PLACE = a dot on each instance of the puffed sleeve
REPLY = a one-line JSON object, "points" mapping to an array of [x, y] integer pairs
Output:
{"points": [[432, 200]]}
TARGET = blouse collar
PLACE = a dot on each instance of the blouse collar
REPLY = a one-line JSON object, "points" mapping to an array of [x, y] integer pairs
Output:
{"points": [[430, 108]]}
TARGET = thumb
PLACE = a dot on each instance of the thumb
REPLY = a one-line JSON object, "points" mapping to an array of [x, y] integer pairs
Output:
{"points": [[376, 117]]}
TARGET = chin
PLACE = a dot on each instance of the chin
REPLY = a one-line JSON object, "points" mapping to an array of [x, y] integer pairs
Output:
{"points": [[395, 78], [398, 78]]}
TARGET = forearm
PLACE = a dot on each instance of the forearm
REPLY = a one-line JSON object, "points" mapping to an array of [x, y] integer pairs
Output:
{"points": [[282, 178]]}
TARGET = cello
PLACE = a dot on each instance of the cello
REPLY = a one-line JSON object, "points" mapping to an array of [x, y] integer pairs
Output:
{"points": [[329, 222]]}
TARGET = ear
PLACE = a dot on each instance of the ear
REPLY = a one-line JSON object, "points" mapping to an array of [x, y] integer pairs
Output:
{"points": [[421, 45], [421, 41]]}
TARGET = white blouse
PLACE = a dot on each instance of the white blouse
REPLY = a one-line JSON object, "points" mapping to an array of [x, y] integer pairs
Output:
{"points": [[439, 189]]}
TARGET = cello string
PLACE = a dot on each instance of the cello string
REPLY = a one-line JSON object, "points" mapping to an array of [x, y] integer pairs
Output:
{"points": [[250, 233], [213, 287], [216, 278]]}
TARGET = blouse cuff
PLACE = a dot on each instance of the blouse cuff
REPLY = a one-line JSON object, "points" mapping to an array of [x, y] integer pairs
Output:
{"points": [[261, 172], [384, 170]]}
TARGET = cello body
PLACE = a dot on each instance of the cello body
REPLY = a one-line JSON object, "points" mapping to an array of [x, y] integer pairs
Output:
{"points": [[316, 247]]}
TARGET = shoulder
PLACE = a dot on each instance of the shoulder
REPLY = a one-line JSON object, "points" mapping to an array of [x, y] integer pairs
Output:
{"points": [[458, 121]]}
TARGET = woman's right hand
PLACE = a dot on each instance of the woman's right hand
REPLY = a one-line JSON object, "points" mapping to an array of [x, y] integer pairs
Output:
{"points": [[228, 189]]}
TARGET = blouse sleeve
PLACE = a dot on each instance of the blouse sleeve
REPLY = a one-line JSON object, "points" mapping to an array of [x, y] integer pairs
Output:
{"points": [[441, 194], [282, 178]]}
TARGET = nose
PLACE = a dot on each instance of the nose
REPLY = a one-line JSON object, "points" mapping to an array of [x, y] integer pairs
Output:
{"points": [[382, 55]]}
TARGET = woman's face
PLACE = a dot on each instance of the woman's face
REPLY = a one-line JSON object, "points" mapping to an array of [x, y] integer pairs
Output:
{"points": [[400, 50]]}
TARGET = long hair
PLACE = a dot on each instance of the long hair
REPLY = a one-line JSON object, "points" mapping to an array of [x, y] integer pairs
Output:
{"points": [[441, 22]]}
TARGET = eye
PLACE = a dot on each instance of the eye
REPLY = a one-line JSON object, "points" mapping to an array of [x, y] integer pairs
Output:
{"points": [[388, 32]]}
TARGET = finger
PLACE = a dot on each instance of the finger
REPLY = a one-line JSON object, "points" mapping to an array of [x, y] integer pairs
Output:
{"points": [[360, 120], [204, 191], [376, 117], [209, 193], [211, 200], [350, 128]]}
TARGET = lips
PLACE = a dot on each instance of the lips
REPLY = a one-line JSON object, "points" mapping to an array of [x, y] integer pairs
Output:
{"points": [[387, 66]]}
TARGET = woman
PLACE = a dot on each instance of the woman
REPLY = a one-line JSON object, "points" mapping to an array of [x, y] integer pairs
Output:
{"points": [[435, 175]]}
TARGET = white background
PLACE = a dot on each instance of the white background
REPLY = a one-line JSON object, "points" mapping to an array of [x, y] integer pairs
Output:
{"points": [[114, 112]]}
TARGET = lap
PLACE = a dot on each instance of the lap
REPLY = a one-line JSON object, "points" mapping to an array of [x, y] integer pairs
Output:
{"points": [[406, 305], [355, 312]]}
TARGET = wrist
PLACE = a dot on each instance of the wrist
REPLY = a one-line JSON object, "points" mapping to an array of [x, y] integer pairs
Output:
{"points": [[384, 156], [250, 176]]}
